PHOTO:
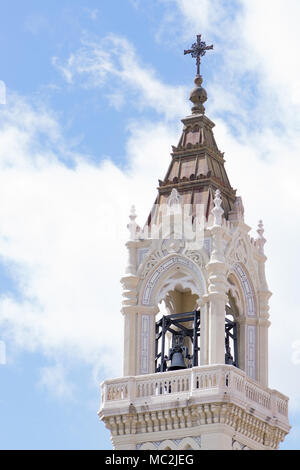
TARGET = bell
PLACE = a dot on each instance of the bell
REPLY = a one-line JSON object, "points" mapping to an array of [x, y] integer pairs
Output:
{"points": [[177, 359]]}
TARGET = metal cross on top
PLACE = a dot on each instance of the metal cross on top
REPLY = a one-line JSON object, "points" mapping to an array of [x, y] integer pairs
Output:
{"points": [[197, 50]]}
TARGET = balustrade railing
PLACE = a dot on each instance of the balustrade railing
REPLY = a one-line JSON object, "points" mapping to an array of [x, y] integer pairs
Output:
{"points": [[197, 380]]}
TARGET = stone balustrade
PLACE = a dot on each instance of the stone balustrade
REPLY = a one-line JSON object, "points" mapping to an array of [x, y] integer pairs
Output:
{"points": [[219, 382]]}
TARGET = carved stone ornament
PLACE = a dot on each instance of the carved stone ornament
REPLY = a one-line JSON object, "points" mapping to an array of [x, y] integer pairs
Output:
{"points": [[172, 246], [196, 256], [241, 251], [153, 259], [238, 446], [174, 200], [217, 210]]}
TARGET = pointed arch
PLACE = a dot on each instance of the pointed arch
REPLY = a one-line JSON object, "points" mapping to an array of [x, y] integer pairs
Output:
{"points": [[246, 285], [170, 271], [241, 288]]}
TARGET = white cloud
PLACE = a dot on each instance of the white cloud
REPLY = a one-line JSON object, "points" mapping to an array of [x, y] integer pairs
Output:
{"points": [[113, 62], [62, 232], [35, 23], [50, 214], [92, 13], [2, 92], [296, 353], [53, 379]]}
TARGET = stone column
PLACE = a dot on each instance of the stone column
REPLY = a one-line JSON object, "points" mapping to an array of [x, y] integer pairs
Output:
{"points": [[263, 326], [217, 301], [145, 340], [263, 296], [130, 313], [203, 304], [217, 287]]}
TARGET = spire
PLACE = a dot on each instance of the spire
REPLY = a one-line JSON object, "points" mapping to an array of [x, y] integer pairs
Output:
{"points": [[198, 95], [197, 168]]}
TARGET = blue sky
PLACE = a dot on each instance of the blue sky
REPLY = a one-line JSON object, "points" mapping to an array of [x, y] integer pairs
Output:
{"points": [[95, 91]]}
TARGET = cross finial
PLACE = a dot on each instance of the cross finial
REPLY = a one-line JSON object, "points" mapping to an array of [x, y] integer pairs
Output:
{"points": [[198, 50]]}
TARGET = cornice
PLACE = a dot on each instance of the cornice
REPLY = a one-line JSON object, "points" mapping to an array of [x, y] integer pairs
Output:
{"points": [[195, 150], [203, 180], [145, 423]]}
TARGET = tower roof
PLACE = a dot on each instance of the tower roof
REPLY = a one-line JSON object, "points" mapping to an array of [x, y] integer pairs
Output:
{"points": [[197, 167]]}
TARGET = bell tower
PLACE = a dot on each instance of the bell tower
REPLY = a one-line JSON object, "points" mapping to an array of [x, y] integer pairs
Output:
{"points": [[196, 313]]}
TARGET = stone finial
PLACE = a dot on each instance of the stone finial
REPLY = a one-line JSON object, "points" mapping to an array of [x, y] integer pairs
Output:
{"points": [[198, 96], [217, 210], [260, 241], [132, 226]]}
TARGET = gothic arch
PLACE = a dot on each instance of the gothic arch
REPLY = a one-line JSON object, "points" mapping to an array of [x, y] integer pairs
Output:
{"points": [[174, 269], [245, 285], [240, 284]]}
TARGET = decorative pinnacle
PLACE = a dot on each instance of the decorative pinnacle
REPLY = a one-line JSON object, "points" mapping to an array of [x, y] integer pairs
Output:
{"points": [[198, 50], [217, 210], [260, 241], [260, 229], [132, 226]]}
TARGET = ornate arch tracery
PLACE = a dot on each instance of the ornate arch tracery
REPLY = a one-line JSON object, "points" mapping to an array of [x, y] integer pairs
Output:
{"points": [[171, 271], [242, 292]]}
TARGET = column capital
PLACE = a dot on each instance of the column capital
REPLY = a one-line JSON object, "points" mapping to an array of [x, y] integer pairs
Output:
{"points": [[141, 309], [211, 296]]}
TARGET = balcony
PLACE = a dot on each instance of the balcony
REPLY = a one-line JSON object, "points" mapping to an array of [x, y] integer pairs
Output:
{"points": [[199, 385]]}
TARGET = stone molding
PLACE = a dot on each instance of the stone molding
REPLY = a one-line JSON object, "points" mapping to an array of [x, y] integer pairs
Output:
{"points": [[183, 401]]}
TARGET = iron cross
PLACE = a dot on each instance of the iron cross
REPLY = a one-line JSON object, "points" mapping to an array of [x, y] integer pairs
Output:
{"points": [[197, 50]]}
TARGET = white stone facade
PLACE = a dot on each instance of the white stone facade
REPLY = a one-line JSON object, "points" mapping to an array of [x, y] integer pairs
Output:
{"points": [[208, 408], [212, 406]]}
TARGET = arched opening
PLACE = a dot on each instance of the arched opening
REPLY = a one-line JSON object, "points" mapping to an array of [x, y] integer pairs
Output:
{"points": [[177, 331], [232, 327]]}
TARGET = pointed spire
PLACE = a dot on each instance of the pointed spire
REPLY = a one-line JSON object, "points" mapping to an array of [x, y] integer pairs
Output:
{"points": [[197, 164], [217, 210]]}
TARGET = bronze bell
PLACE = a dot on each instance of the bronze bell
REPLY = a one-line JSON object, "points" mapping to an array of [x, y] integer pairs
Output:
{"points": [[177, 358]]}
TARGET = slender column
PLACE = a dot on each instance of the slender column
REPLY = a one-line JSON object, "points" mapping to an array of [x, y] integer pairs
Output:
{"points": [[204, 331], [131, 245], [263, 326], [130, 340], [217, 288], [263, 296]]}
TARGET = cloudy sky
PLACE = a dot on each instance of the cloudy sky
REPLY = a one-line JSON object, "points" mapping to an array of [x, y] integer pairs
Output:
{"points": [[91, 97]]}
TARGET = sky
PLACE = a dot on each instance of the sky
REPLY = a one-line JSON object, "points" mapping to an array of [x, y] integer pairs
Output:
{"points": [[91, 97]]}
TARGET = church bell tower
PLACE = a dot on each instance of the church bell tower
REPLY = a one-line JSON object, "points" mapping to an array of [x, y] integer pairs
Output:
{"points": [[196, 312]]}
